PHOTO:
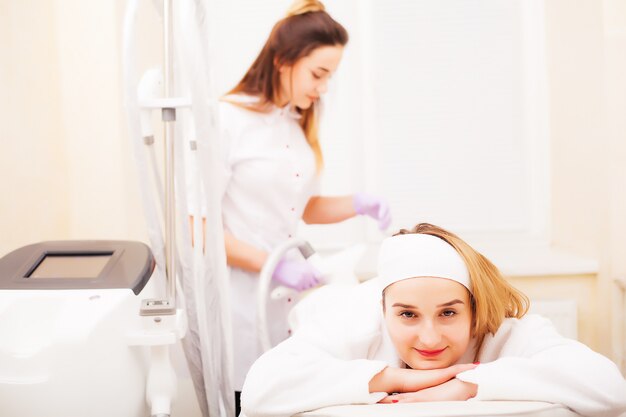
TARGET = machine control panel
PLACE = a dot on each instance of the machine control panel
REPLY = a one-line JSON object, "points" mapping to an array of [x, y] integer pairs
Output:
{"points": [[78, 264]]}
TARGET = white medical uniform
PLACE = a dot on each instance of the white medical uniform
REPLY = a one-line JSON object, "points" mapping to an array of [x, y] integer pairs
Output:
{"points": [[269, 177], [341, 342]]}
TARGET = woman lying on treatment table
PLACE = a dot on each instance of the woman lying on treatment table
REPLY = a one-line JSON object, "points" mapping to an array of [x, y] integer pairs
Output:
{"points": [[439, 323]]}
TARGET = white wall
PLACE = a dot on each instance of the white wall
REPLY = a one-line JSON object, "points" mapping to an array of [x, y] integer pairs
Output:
{"points": [[101, 185], [587, 82], [34, 200], [67, 172]]}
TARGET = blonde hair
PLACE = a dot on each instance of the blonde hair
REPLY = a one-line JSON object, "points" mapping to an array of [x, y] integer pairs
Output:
{"points": [[306, 27], [493, 298], [305, 6]]}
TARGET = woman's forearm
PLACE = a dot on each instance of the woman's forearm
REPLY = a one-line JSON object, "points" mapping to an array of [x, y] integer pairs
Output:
{"points": [[410, 380], [238, 254], [243, 255], [387, 380], [324, 210]]}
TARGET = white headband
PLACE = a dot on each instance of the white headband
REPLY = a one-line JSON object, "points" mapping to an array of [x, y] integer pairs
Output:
{"points": [[420, 255]]}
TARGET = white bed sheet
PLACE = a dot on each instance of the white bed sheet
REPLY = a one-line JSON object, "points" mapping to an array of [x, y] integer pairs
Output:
{"points": [[447, 409]]}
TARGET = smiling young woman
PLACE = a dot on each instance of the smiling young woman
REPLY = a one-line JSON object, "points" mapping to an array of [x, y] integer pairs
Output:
{"points": [[438, 323]]}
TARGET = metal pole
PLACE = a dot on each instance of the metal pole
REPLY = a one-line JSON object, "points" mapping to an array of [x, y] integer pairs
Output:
{"points": [[169, 117]]}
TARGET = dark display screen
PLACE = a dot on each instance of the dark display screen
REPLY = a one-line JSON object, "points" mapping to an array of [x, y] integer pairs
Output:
{"points": [[71, 266]]}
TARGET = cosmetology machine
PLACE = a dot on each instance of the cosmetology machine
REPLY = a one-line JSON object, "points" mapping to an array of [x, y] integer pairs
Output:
{"points": [[83, 332], [87, 326]]}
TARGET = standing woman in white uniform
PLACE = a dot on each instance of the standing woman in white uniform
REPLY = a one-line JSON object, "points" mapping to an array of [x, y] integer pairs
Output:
{"points": [[439, 323], [272, 161]]}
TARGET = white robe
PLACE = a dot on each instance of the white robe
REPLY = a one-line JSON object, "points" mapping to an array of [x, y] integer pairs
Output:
{"points": [[269, 175], [341, 342]]}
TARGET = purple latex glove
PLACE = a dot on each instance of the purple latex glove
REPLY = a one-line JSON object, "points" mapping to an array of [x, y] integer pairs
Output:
{"points": [[297, 274], [373, 206]]}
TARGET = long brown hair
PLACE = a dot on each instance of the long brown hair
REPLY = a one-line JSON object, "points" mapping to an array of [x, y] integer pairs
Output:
{"points": [[493, 298], [306, 27]]}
